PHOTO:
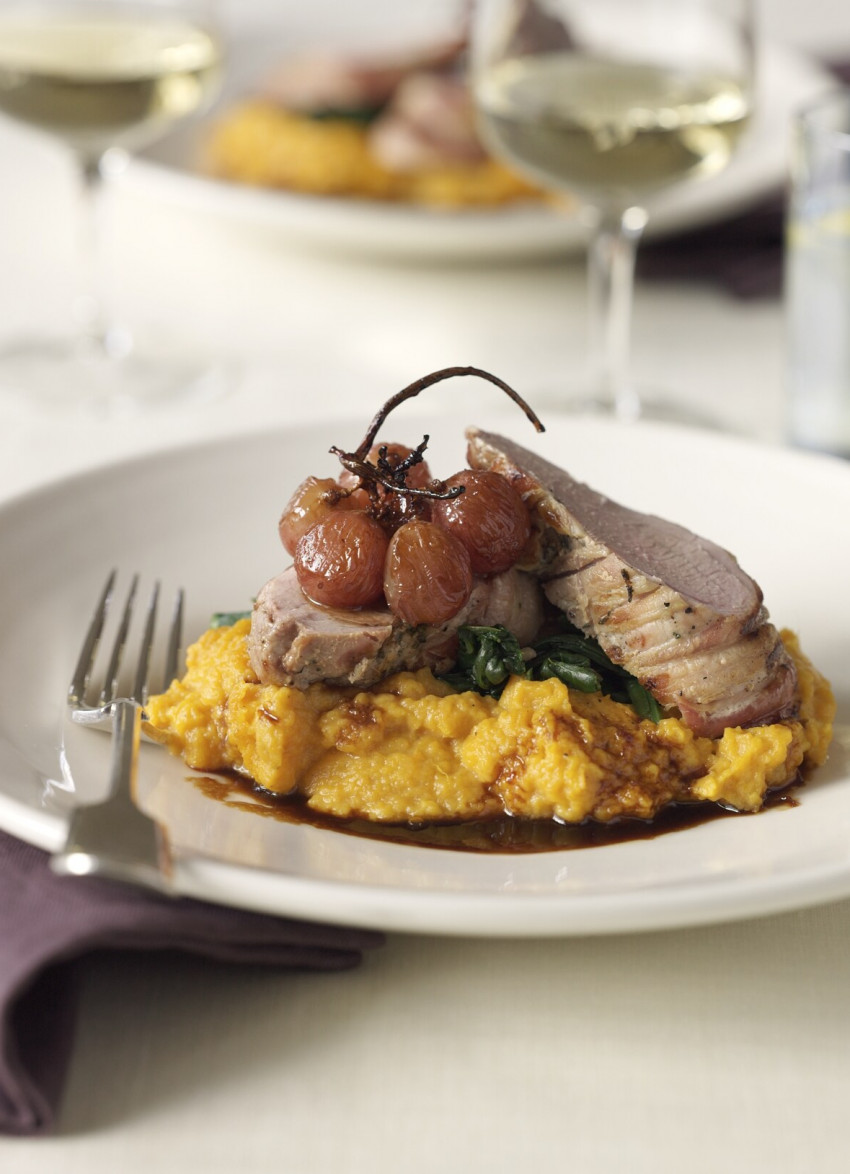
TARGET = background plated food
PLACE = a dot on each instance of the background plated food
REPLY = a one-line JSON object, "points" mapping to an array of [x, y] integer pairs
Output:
{"points": [[400, 128]]}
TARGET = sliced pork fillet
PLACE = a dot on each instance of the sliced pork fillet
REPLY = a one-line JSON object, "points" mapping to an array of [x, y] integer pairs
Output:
{"points": [[430, 122], [674, 609], [295, 642]]}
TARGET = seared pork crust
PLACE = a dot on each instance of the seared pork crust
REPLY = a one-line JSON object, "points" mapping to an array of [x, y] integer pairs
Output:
{"points": [[293, 641], [674, 609]]}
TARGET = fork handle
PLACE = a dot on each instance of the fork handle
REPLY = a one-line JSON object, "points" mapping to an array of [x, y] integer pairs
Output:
{"points": [[114, 838]]}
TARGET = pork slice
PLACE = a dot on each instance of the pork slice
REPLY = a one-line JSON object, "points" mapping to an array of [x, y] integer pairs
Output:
{"points": [[430, 122], [674, 609], [513, 600], [293, 641]]}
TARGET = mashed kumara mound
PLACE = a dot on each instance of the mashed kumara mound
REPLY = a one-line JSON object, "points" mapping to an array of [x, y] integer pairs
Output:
{"points": [[412, 749]]}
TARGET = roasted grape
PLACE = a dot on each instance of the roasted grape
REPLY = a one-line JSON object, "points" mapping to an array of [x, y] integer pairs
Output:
{"points": [[427, 575], [340, 560], [489, 518], [312, 501]]}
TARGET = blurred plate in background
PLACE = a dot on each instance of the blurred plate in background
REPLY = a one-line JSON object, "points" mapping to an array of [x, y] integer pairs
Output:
{"points": [[171, 171]]}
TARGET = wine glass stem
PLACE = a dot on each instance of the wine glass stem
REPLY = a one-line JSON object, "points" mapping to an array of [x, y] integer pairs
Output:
{"points": [[98, 331], [611, 262]]}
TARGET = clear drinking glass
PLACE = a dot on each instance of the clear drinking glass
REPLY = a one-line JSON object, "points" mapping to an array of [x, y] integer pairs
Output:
{"points": [[613, 101], [817, 276], [106, 77]]}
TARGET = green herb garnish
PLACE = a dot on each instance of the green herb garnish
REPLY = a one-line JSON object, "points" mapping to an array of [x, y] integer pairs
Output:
{"points": [[488, 657], [226, 619], [362, 115]]}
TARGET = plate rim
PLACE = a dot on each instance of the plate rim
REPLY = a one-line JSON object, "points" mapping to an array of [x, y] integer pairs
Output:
{"points": [[450, 912]]}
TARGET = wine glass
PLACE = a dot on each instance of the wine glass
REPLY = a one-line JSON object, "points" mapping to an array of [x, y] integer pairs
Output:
{"points": [[106, 77], [613, 101]]}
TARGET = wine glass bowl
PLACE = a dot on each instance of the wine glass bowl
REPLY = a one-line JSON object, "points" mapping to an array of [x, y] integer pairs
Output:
{"points": [[613, 101], [116, 78], [105, 77]]}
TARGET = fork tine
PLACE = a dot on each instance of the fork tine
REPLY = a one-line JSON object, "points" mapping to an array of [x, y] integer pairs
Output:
{"points": [[115, 837], [140, 684], [88, 651], [175, 636], [110, 680]]}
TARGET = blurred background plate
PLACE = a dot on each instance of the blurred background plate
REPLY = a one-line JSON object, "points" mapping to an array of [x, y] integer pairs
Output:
{"points": [[171, 170]]}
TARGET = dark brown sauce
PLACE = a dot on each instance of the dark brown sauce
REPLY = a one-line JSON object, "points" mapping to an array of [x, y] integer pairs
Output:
{"points": [[499, 834]]}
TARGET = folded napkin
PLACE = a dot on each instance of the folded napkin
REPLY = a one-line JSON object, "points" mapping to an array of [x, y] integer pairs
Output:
{"points": [[743, 255], [47, 921]]}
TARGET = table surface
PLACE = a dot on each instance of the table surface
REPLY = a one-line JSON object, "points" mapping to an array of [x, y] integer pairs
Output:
{"points": [[695, 1050]]}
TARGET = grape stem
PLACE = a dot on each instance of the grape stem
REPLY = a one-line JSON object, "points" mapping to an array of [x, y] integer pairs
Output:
{"points": [[368, 473], [395, 478], [426, 381]]}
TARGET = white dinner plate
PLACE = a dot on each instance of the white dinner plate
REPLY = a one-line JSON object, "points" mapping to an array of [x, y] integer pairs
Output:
{"points": [[171, 170], [206, 517]]}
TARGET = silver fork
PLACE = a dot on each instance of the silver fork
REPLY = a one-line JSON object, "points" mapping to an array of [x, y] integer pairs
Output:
{"points": [[114, 838]]}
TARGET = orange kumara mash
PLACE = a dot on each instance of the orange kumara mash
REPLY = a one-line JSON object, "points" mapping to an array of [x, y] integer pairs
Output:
{"points": [[411, 748]]}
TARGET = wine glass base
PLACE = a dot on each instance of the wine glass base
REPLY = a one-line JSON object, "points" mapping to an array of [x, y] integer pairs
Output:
{"points": [[68, 375]]}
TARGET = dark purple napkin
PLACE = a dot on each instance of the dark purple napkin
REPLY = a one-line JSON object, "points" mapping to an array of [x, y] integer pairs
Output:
{"points": [[743, 255], [46, 922]]}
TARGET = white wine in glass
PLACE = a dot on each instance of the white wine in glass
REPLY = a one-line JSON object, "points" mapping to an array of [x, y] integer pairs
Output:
{"points": [[613, 101], [106, 77]]}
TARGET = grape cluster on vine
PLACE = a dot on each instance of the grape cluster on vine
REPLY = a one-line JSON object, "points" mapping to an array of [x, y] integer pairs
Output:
{"points": [[387, 531]]}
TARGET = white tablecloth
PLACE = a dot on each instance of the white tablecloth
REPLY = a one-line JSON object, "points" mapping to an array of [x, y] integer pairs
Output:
{"points": [[694, 1051]]}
